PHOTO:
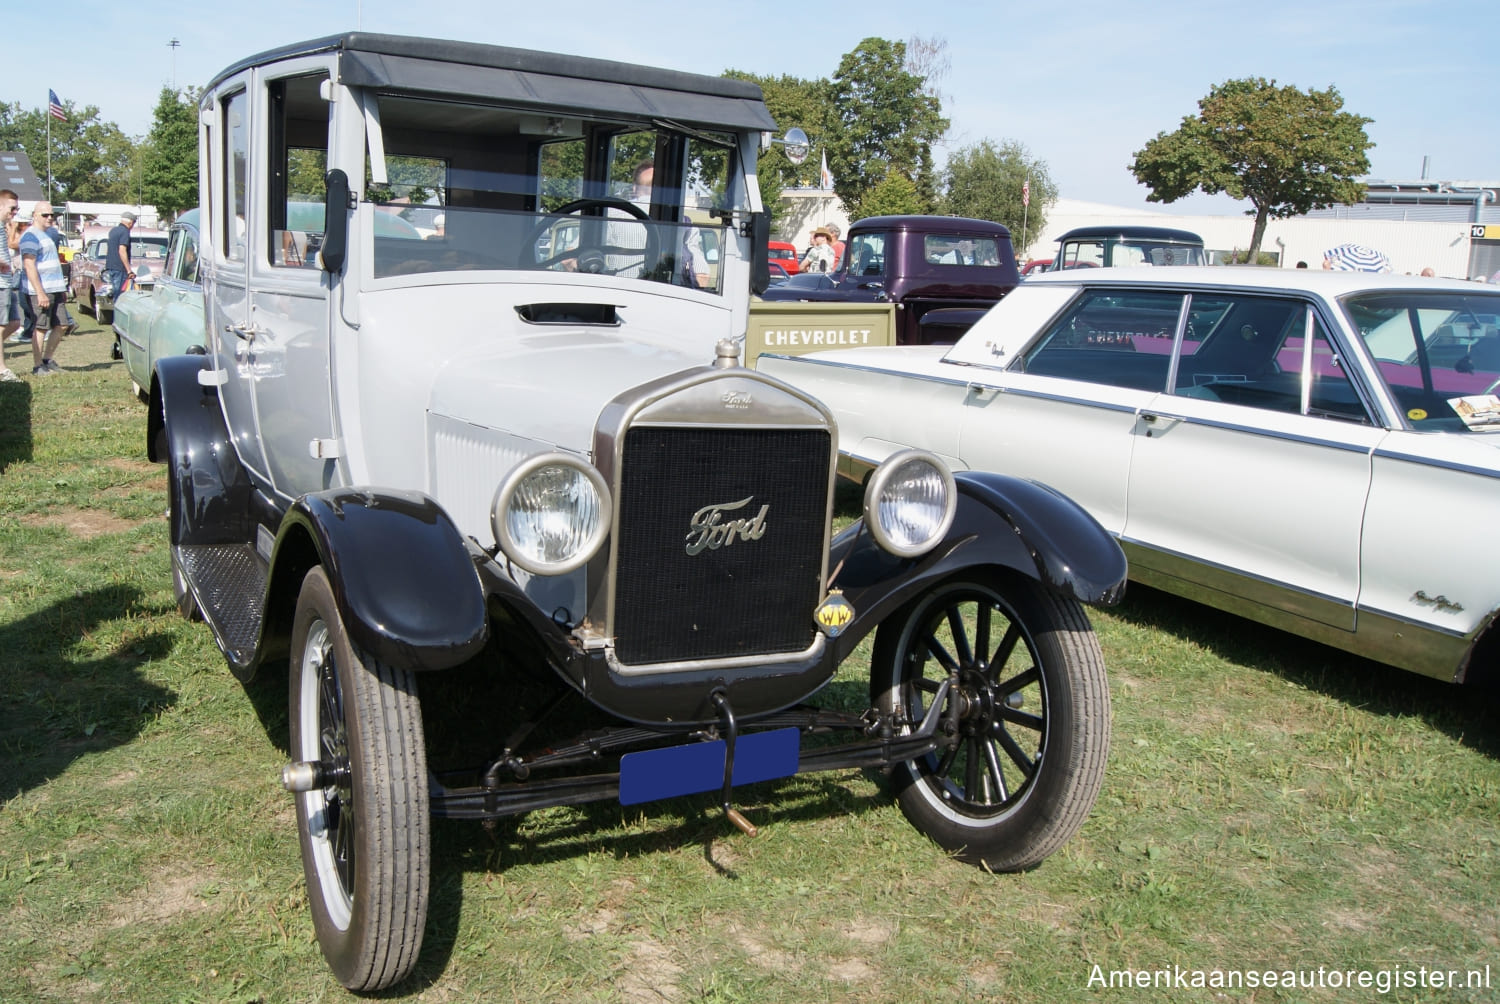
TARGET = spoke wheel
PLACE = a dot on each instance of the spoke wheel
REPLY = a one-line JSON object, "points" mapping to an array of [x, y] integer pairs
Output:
{"points": [[1031, 704], [365, 831]]}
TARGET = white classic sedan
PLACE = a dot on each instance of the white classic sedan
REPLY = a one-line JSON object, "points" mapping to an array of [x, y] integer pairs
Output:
{"points": [[1318, 451]]}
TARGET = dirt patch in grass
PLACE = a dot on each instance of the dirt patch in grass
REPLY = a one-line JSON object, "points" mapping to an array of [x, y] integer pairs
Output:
{"points": [[650, 975], [84, 523], [163, 898]]}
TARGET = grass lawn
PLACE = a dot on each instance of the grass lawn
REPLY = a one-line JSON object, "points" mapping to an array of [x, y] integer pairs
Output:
{"points": [[1270, 805]]}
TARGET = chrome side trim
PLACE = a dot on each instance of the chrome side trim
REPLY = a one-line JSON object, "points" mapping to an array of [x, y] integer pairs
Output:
{"points": [[1251, 430], [1446, 465], [1377, 635], [859, 368]]}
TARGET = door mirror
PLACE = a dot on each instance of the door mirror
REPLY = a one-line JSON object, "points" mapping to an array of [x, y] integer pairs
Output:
{"points": [[760, 255], [336, 222]]}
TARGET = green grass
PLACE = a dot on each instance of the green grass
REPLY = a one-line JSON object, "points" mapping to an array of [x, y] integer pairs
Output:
{"points": [[1270, 804]]}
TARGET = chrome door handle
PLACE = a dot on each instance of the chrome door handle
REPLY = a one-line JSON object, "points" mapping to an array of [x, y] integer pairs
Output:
{"points": [[245, 331]]}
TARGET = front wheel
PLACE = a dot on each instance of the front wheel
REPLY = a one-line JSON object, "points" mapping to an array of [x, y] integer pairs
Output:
{"points": [[1031, 707], [365, 831]]}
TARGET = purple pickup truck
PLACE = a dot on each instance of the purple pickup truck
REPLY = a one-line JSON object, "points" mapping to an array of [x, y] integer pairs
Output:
{"points": [[942, 273]]}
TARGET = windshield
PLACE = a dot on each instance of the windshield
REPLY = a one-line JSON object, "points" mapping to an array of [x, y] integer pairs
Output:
{"points": [[1102, 252], [477, 187], [1439, 353]]}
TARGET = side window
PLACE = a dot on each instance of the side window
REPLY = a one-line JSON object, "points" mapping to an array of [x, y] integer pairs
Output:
{"points": [[236, 131], [1265, 352], [1123, 339], [866, 254], [298, 153], [951, 249]]}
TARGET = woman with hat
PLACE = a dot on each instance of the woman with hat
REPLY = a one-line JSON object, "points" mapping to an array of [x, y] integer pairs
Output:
{"points": [[819, 257]]}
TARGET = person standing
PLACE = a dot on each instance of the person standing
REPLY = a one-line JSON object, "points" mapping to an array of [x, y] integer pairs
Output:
{"points": [[117, 270], [819, 257], [10, 299], [42, 280], [838, 245]]}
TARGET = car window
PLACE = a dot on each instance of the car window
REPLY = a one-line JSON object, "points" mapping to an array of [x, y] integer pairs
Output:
{"points": [[952, 249], [1120, 338], [1437, 352], [182, 256], [866, 254], [1254, 351]]}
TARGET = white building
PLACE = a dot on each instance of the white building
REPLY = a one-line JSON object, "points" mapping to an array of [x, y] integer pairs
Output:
{"points": [[1451, 227]]}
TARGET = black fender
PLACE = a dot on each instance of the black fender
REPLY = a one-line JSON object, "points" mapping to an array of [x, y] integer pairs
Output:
{"points": [[403, 577], [1001, 522], [185, 429]]}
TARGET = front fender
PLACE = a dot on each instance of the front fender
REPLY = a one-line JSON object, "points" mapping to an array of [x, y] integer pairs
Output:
{"points": [[405, 581], [1001, 522]]}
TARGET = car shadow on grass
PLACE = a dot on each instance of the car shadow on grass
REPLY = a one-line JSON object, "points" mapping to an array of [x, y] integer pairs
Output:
{"points": [[1371, 686], [59, 706], [15, 422]]}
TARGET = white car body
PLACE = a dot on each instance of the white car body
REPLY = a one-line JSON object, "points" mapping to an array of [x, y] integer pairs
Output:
{"points": [[1368, 525]]}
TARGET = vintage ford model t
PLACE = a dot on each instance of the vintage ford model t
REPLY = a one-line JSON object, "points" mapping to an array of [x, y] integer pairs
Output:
{"points": [[521, 445]]}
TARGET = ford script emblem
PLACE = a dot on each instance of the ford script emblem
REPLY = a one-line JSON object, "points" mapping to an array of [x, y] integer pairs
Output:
{"points": [[739, 400], [711, 531]]}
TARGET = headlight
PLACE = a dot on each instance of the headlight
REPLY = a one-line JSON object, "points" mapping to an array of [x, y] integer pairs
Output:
{"points": [[909, 503], [551, 514]]}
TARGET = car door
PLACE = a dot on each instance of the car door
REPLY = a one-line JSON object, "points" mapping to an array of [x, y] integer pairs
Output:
{"points": [[288, 298], [226, 277], [1249, 477], [1065, 413]]}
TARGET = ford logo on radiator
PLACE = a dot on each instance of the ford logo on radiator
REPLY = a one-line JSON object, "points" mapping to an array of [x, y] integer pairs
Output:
{"points": [[711, 531]]}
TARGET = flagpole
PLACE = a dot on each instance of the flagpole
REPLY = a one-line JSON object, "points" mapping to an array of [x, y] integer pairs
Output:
{"points": [[49, 146]]}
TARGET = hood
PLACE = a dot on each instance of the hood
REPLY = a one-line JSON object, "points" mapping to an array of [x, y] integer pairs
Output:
{"points": [[550, 386]]}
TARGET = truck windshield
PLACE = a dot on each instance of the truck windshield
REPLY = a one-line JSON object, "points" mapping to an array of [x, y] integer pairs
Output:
{"points": [[1114, 253], [478, 187]]}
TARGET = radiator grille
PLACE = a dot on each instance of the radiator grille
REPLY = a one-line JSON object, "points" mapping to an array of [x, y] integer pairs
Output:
{"points": [[745, 597]]}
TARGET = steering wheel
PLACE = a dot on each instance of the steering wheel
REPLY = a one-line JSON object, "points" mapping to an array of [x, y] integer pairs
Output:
{"points": [[591, 258]]}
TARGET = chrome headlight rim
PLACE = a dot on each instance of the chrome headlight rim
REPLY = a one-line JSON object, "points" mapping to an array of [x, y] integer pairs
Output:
{"points": [[500, 507], [879, 484]]}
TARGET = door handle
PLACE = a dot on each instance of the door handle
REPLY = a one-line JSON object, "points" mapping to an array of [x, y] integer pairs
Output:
{"points": [[244, 331]]}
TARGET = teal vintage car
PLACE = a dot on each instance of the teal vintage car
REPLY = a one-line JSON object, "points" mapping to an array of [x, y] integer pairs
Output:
{"points": [[165, 319]]}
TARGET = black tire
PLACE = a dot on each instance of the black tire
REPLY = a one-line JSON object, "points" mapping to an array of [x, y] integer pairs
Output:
{"points": [[1034, 723], [365, 835]]}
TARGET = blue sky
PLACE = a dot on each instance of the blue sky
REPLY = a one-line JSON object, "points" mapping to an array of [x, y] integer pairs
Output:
{"points": [[1082, 84]]}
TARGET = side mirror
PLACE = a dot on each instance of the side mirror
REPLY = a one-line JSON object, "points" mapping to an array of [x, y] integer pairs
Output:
{"points": [[335, 222], [760, 253], [797, 147]]}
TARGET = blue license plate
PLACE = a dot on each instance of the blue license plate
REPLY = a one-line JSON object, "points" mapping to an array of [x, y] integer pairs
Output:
{"points": [[698, 767]]}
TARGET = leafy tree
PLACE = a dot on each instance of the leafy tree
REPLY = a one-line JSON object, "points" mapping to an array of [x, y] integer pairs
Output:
{"points": [[170, 172], [985, 182], [91, 161], [894, 196], [1287, 151], [883, 121], [792, 102]]}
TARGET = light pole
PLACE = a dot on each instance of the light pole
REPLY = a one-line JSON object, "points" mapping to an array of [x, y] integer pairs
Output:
{"points": [[174, 44]]}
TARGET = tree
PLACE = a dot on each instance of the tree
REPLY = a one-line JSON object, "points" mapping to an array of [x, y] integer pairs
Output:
{"points": [[985, 182], [1287, 151], [883, 121], [894, 196], [91, 161], [170, 172], [792, 102]]}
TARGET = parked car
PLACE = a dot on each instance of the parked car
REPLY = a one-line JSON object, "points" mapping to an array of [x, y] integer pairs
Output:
{"points": [[1317, 451], [148, 254], [921, 264], [1036, 265], [1119, 246], [778, 273], [785, 255], [164, 318], [405, 463]]}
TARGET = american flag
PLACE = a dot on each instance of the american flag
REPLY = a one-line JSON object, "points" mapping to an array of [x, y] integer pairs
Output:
{"points": [[1026, 192], [54, 107]]}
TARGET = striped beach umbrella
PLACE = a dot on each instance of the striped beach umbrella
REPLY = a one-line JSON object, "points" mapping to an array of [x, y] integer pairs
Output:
{"points": [[1356, 258]]}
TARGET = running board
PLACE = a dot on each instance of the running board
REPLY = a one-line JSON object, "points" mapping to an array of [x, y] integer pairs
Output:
{"points": [[229, 583]]}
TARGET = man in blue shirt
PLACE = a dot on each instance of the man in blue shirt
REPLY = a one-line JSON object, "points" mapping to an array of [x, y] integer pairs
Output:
{"points": [[42, 280], [117, 270]]}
